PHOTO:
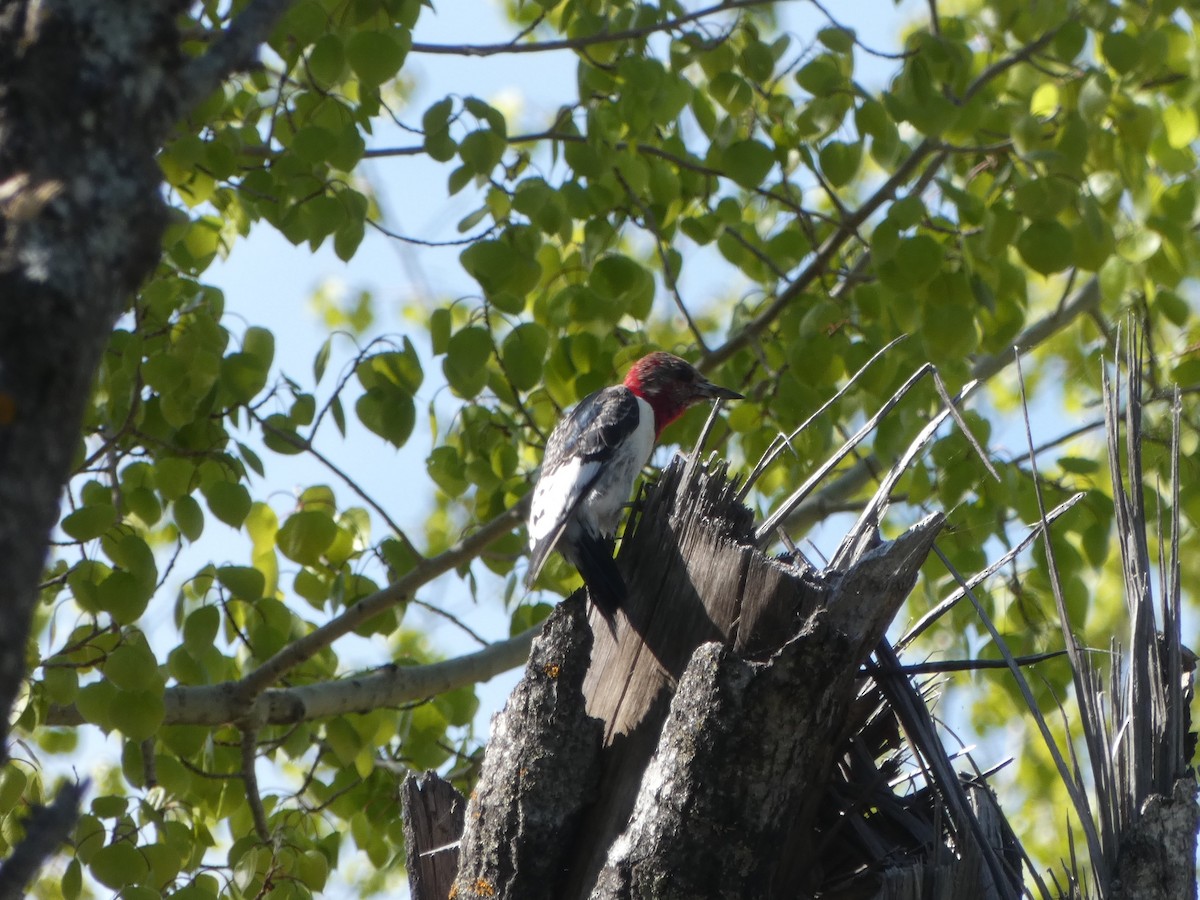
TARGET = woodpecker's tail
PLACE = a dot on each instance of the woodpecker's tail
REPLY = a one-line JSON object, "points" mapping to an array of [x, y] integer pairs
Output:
{"points": [[593, 557]]}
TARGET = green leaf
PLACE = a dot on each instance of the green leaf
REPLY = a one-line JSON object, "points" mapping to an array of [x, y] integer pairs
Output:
{"points": [[137, 714], [523, 352], [1121, 50], [189, 517], [244, 582], [748, 162], [466, 360], [839, 161], [260, 344], [821, 77], [625, 283], [131, 667], [12, 786], [62, 687], [90, 522], [321, 360], [915, 261], [732, 92], [459, 705], [1046, 246], [439, 330], [262, 525], [839, 40], [313, 870], [327, 60], [95, 703], [527, 616], [498, 266], [304, 407], [481, 151], [72, 880], [436, 124], [280, 435], [173, 476], [1174, 307], [306, 535], [123, 597], [375, 56], [143, 503], [1078, 465], [200, 629], [131, 552], [118, 865], [243, 376], [446, 469], [399, 368], [388, 413], [228, 501], [314, 145]]}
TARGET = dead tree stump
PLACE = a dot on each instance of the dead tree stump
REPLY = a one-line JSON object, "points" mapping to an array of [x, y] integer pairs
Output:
{"points": [[688, 750]]}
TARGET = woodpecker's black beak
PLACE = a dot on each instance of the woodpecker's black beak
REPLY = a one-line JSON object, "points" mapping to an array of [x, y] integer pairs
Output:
{"points": [[710, 391]]}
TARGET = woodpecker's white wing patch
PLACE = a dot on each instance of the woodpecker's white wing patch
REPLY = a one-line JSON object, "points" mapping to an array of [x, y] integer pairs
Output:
{"points": [[596, 449], [556, 496]]}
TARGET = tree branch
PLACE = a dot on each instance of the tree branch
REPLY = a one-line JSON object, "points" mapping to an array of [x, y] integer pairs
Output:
{"points": [[425, 571], [250, 780], [591, 40], [819, 264], [235, 50], [391, 686], [46, 829]]}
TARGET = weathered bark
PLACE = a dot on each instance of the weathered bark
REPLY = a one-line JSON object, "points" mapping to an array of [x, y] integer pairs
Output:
{"points": [[88, 93], [81, 221], [1158, 852], [542, 773], [721, 700], [433, 823]]}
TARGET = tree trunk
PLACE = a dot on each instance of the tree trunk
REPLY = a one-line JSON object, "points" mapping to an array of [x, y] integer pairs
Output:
{"points": [[88, 94], [81, 223]]}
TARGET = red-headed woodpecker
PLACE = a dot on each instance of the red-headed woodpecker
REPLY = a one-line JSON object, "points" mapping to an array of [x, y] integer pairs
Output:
{"points": [[592, 458]]}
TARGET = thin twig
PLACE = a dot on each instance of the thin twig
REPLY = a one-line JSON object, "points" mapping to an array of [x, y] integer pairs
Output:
{"points": [[613, 37], [785, 509]]}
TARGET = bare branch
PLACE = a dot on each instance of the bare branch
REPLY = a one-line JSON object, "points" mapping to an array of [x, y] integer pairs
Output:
{"points": [[978, 578]]}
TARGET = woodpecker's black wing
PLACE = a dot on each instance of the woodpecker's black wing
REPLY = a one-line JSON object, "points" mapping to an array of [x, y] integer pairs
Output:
{"points": [[582, 443]]}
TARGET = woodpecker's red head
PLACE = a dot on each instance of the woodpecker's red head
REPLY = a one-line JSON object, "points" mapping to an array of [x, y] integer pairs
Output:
{"points": [[670, 386]]}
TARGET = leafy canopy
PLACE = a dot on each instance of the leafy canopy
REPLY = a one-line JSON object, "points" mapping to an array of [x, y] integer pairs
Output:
{"points": [[1024, 174]]}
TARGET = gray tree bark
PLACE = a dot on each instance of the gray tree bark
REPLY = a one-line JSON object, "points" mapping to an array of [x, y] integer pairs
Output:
{"points": [[89, 90]]}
